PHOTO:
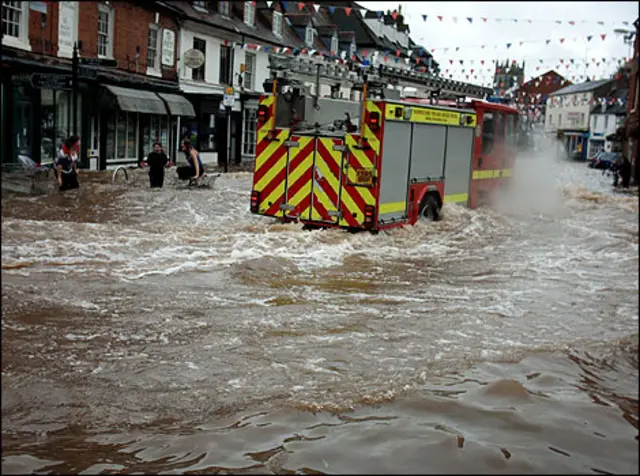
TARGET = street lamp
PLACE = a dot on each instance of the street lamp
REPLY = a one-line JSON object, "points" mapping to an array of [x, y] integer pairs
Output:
{"points": [[627, 38]]}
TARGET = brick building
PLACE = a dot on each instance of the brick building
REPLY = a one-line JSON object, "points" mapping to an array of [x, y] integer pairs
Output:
{"points": [[127, 90], [630, 146], [532, 96]]}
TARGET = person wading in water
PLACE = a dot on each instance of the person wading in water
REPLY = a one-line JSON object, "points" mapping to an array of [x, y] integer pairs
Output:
{"points": [[157, 161], [67, 164], [195, 169]]}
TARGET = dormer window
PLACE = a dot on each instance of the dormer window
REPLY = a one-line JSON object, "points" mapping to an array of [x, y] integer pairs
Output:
{"points": [[334, 44], [200, 5], [308, 36], [276, 25], [223, 9], [249, 13]]}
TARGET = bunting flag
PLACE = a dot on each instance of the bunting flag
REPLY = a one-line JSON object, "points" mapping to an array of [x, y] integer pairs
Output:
{"points": [[424, 17], [530, 21], [300, 5]]}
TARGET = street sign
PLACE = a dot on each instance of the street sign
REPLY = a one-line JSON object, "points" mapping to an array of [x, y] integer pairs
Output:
{"points": [[228, 99], [51, 81], [99, 62]]}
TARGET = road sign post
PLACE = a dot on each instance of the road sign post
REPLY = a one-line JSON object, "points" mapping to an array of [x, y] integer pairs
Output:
{"points": [[228, 100], [74, 72]]}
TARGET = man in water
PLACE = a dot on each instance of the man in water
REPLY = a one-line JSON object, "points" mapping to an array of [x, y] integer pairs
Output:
{"points": [[157, 161]]}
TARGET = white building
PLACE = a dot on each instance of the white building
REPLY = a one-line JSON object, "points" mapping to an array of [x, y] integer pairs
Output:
{"points": [[568, 111], [604, 122]]}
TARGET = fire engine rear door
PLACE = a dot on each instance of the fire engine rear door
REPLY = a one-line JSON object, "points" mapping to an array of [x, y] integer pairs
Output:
{"points": [[327, 176], [297, 198]]}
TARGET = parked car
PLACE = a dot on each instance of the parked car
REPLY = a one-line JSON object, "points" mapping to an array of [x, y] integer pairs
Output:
{"points": [[606, 160]]}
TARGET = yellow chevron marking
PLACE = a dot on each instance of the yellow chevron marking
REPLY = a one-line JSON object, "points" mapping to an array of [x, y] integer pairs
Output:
{"points": [[456, 198], [271, 173], [272, 198], [295, 175], [267, 100], [270, 149], [491, 174], [392, 207], [352, 207]]}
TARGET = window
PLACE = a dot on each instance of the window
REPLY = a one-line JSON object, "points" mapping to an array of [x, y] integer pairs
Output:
{"points": [[308, 37], [153, 52], [15, 21], [226, 65], [582, 120], [595, 122], [352, 48], [200, 5], [550, 119], [559, 120], [487, 132], [105, 31], [276, 23], [125, 132], [606, 122], [249, 68], [197, 74], [249, 13], [249, 136], [223, 8], [334, 45]]}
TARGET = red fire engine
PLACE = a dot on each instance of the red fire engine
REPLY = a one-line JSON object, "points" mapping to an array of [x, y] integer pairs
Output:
{"points": [[401, 163]]}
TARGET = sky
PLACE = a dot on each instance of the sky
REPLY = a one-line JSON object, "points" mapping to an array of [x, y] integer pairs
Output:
{"points": [[460, 39]]}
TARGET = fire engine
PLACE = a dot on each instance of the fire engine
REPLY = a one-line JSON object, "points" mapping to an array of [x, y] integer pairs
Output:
{"points": [[379, 162]]}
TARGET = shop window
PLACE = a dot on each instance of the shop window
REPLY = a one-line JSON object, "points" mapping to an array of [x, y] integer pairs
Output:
{"points": [[250, 66], [226, 65], [223, 9], [276, 23], [15, 24], [197, 74], [249, 13], [488, 125], [153, 52], [105, 31], [249, 136]]}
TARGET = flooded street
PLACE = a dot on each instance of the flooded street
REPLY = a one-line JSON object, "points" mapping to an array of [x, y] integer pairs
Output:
{"points": [[172, 331]]}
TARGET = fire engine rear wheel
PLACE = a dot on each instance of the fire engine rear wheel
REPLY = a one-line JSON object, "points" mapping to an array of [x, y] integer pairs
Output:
{"points": [[430, 208]]}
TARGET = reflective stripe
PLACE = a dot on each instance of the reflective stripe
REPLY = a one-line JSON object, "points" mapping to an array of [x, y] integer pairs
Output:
{"points": [[456, 198], [491, 174], [392, 207]]}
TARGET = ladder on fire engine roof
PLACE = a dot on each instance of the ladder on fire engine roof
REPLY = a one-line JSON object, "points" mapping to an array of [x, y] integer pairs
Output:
{"points": [[306, 69]]}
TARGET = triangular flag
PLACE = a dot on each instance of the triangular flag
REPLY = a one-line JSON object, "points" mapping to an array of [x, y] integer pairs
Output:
{"points": [[515, 20], [603, 36], [600, 23], [561, 40], [332, 10], [521, 43], [347, 10], [285, 6], [561, 60], [439, 17], [300, 5], [572, 23], [316, 7], [508, 45], [548, 41], [394, 15], [470, 19], [451, 61], [269, 3], [379, 13], [484, 19], [559, 22], [424, 17], [455, 19], [482, 62], [482, 47], [461, 61]]}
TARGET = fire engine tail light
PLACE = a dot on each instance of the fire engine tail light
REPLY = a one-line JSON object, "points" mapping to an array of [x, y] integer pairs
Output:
{"points": [[369, 212], [255, 201], [263, 114], [374, 121]]}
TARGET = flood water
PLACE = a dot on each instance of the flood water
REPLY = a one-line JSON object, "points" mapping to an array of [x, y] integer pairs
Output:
{"points": [[171, 331]]}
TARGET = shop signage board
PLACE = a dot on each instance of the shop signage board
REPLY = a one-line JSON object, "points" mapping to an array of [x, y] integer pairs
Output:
{"points": [[58, 82]]}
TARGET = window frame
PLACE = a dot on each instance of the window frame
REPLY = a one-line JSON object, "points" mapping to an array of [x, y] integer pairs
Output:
{"points": [[308, 36], [249, 59], [195, 72], [110, 28], [353, 47], [249, 134], [22, 40], [200, 5], [335, 44], [224, 8], [488, 138], [249, 14], [229, 66], [155, 69], [276, 19]]}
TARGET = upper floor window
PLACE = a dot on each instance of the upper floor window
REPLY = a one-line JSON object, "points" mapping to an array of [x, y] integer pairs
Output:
{"points": [[226, 65], [606, 122], [197, 74], [223, 8], [595, 121], [334, 45], [249, 68], [15, 22], [249, 13], [153, 52], [200, 5], [352, 48], [105, 31], [308, 36], [276, 25]]}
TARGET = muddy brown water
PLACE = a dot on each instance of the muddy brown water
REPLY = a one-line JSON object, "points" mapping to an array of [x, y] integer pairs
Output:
{"points": [[171, 331]]}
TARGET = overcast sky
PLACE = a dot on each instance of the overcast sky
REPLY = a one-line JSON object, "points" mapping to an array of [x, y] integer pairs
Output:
{"points": [[470, 36]]}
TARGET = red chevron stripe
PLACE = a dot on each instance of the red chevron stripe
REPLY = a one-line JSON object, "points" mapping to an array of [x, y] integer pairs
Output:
{"points": [[269, 163]]}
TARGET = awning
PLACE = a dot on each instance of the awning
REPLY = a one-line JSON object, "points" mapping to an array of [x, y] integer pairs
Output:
{"points": [[138, 100], [178, 105]]}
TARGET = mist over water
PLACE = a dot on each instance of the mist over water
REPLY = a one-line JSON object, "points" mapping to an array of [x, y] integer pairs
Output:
{"points": [[174, 331]]}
